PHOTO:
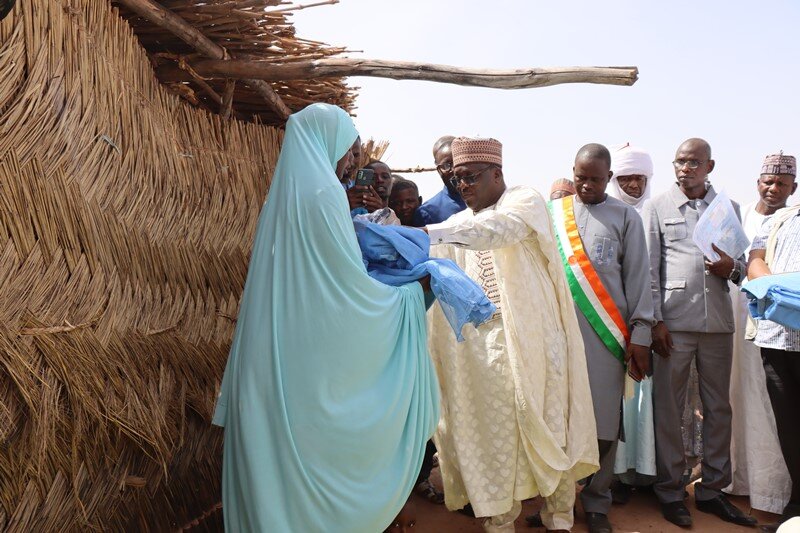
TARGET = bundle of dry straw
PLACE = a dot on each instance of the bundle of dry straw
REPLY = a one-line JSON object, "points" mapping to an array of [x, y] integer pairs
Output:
{"points": [[246, 29], [126, 220]]}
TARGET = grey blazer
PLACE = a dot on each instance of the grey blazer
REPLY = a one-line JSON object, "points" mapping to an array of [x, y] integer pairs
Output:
{"points": [[686, 296]]}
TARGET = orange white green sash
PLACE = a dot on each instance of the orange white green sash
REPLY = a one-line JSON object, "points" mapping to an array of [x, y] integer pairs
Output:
{"points": [[588, 291]]}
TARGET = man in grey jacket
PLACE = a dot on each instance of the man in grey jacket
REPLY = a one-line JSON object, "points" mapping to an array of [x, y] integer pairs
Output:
{"points": [[613, 238], [694, 321]]}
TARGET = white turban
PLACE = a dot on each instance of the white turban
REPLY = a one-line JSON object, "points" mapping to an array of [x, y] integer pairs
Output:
{"points": [[627, 160]]}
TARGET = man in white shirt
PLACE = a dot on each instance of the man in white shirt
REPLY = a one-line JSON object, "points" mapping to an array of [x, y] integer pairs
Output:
{"points": [[776, 250]]}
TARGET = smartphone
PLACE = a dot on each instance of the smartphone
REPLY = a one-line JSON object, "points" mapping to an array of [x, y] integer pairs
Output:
{"points": [[365, 178]]}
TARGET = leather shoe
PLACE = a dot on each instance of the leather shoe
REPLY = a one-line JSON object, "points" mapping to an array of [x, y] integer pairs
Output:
{"points": [[598, 523], [677, 513], [724, 509]]}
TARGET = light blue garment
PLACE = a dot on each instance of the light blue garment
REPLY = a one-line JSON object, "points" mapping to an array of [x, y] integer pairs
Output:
{"points": [[329, 395], [397, 255], [775, 298], [635, 461]]}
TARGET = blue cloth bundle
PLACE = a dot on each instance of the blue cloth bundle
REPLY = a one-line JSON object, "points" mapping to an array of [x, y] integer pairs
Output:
{"points": [[775, 298], [396, 255]]}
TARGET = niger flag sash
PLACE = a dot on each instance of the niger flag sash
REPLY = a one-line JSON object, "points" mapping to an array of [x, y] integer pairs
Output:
{"points": [[588, 291]]}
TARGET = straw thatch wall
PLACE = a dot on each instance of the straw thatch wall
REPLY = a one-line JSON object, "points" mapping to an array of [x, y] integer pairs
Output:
{"points": [[125, 225]]}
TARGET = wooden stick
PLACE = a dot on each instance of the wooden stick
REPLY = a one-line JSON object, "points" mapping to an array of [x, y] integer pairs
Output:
{"points": [[298, 8], [170, 21], [273, 99], [227, 99], [194, 38], [208, 89], [412, 170], [406, 70]]}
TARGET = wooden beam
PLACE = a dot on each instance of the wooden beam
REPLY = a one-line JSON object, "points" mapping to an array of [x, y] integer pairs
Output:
{"points": [[227, 99], [193, 37], [413, 170], [171, 22], [405, 70], [273, 99]]}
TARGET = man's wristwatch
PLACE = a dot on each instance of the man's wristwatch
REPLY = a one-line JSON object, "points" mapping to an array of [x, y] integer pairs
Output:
{"points": [[736, 272]]}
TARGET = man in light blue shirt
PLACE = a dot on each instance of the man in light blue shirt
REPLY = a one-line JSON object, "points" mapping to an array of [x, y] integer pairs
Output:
{"points": [[448, 201]]}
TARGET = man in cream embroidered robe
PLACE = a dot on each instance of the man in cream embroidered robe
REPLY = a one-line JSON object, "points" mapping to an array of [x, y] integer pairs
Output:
{"points": [[516, 408]]}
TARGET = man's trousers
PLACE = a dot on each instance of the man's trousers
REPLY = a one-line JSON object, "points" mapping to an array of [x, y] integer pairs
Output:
{"points": [[782, 369], [712, 353]]}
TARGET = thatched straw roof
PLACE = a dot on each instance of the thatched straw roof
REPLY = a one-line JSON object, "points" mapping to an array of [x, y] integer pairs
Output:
{"points": [[246, 29], [126, 220]]}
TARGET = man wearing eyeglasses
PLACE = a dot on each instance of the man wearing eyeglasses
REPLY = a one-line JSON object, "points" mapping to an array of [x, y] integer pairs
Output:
{"points": [[694, 318], [517, 418], [448, 201]]}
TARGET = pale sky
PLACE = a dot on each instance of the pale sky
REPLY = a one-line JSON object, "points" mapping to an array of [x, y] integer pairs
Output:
{"points": [[726, 71]]}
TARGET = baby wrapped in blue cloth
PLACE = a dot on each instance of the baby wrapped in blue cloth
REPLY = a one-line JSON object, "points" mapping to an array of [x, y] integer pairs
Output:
{"points": [[775, 298], [396, 255]]}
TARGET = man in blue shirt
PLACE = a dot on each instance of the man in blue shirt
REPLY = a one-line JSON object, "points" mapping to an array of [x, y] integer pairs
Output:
{"points": [[448, 201]]}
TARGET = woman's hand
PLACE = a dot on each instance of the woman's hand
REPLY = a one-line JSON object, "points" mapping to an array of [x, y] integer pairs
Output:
{"points": [[426, 283]]}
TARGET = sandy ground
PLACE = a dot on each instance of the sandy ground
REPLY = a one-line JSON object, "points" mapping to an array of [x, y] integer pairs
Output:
{"points": [[641, 514]]}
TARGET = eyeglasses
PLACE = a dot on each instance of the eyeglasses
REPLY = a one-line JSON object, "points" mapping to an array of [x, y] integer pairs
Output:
{"points": [[445, 167], [469, 179], [691, 163]]}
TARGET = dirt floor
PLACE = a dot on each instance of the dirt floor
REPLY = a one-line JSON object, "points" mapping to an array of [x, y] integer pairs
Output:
{"points": [[641, 514]]}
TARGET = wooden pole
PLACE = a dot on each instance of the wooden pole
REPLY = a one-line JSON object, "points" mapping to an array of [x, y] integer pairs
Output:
{"points": [[227, 99], [272, 98], [193, 37], [405, 70], [413, 170], [173, 23]]}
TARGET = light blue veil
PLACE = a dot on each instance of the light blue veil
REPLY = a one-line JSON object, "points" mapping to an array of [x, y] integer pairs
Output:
{"points": [[329, 394]]}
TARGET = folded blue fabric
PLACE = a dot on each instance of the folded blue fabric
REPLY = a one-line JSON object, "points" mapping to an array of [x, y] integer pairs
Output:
{"points": [[396, 255], [775, 298]]}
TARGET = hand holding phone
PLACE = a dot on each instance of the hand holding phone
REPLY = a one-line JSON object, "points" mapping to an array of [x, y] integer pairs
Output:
{"points": [[365, 178]]}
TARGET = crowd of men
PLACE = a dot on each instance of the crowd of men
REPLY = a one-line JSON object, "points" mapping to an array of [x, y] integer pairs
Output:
{"points": [[605, 309]]}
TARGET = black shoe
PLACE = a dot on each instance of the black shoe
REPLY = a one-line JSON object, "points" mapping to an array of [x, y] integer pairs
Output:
{"points": [[621, 493], [724, 509], [467, 510], [677, 513], [770, 528], [534, 520], [598, 523]]}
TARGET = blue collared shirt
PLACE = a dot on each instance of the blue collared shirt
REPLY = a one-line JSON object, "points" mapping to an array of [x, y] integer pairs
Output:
{"points": [[439, 208]]}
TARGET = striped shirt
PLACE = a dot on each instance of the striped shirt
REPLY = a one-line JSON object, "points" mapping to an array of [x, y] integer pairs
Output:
{"points": [[786, 259]]}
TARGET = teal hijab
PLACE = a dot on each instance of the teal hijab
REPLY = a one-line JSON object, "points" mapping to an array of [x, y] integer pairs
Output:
{"points": [[328, 395]]}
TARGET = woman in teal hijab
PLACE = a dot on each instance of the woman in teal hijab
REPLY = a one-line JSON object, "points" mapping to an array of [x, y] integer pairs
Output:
{"points": [[329, 394]]}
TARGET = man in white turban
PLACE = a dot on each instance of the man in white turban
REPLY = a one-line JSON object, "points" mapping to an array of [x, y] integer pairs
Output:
{"points": [[633, 169], [635, 462]]}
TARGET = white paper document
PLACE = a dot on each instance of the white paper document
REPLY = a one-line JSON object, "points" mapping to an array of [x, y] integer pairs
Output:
{"points": [[719, 225]]}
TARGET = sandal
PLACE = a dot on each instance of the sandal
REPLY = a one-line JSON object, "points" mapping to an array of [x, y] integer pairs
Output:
{"points": [[429, 492]]}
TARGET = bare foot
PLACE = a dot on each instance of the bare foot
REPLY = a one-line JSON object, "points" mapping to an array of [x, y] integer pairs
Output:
{"points": [[405, 520]]}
